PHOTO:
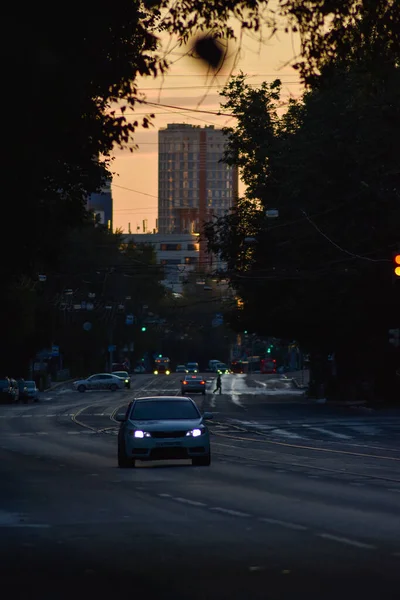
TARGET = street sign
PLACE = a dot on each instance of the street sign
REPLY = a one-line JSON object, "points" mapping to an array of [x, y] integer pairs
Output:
{"points": [[55, 351], [112, 348]]}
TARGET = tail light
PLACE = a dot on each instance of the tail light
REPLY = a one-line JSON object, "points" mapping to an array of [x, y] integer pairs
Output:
{"points": [[202, 382], [184, 382]]}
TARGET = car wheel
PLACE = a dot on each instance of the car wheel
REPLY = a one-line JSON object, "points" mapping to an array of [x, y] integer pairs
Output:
{"points": [[113, 387], [124, 462], [202, 461], [81, 388]]}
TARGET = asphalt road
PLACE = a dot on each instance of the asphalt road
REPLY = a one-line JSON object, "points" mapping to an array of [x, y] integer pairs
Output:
{"points": [[301, 501]]}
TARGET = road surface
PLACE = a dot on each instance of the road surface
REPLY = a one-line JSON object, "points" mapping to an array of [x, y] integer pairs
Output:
{"points": [[301, 501]]}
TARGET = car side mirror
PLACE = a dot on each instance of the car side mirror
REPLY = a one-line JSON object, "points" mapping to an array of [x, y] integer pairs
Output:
{"points": [[207, 416], [120, 418]]}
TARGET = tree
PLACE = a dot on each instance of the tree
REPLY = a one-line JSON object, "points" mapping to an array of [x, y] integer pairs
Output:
{"points": [[322, 273]]}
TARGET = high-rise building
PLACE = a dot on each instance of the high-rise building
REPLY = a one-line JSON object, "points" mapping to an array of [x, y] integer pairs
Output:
{"points": [[102, 205], [194, 185]]}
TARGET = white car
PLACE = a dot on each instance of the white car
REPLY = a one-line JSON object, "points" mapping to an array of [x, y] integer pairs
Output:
{"points": [[100, 381]]}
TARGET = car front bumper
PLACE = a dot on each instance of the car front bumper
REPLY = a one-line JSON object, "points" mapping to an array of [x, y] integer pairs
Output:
{"points": [[168, 448]]}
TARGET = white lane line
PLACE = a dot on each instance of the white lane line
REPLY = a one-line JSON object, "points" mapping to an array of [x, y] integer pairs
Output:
{"points": [[313, 476], [48, 416], [357, 483], [228, 511], [26, 416], [342, 540], [74, 432], [339, 436], [191, 502], [286, 524], [286, 433], [397, 490], [98, 415], [42, 433], [165, 495]]}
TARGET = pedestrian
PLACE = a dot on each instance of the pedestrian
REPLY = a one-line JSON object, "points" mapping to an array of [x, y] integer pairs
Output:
{"points": [[219, 384]]}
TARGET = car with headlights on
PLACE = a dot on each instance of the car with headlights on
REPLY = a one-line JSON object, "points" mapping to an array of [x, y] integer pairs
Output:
{"points": [[193, 383], [181, 369], [163, 428], [192, 367], [100, 381], [124, 375]]}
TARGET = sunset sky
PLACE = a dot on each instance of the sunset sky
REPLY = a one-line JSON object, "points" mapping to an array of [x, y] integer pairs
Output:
{"points": [[188, 86]]}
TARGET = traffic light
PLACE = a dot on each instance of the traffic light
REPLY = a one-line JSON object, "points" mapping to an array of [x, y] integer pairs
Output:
{"points": [[144, 328], [396, 265]]}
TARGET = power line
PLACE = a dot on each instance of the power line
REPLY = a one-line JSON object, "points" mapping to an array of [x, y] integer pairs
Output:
{"points": [[136, 191]]}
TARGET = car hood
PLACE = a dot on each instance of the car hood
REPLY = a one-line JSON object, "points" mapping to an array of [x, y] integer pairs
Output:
{"points": [[169, 425]]}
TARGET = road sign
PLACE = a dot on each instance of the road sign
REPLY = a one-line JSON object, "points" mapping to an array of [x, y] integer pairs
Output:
{"points": [[112, 348], [55, 351]]}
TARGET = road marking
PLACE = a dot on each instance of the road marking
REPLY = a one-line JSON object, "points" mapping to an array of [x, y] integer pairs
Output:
{"points": [[42, 433], [313, 476], [286, 524], [397, 490], [165, 495], [340, 436], [228, 511], [286, 433], [191, 502], [74, 432], [357, 483], [342, 540], [26, 416]]}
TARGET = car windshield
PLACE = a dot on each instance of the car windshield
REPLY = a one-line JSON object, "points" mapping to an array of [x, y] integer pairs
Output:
{"points": [[155, 410]]}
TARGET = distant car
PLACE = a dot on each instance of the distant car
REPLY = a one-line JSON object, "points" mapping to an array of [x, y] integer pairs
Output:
{"points": [[193, 383], [32, 390], [181, 369], [192, 367], [222, 369], [162, 370], [139, 370], [100, 381], [124, 375], [163, 428]]}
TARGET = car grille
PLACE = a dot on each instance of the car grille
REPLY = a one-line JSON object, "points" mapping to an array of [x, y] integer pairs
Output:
{"points": [[168, 434], [166, 453]]}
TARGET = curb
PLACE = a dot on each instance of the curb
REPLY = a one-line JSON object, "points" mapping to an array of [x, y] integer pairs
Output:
{"points": [[298, 385]]}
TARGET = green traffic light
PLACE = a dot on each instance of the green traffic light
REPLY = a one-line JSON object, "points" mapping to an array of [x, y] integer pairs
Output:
{"points": [[143, 328]]}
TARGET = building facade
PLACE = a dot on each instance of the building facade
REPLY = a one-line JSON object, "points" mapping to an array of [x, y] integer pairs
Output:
{"points": [[177, 253], [193, 184], [102, 205]]}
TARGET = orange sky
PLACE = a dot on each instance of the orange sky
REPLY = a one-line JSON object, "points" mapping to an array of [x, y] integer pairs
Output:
{"points": [[135, 182]]}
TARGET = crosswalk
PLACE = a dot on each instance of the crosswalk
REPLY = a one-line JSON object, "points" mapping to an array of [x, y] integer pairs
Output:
{"points": [[334, 430]]}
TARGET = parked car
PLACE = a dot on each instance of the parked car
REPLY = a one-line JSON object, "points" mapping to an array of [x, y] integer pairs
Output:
{"points": [[193, 383], [124, 375], [32, 391], [100, 381], [7, 392]]}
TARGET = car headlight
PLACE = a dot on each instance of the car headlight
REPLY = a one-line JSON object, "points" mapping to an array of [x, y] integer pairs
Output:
{"points": [[138, 433], [126, 380], [155, 372], [195, 432], [167, 372]]}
